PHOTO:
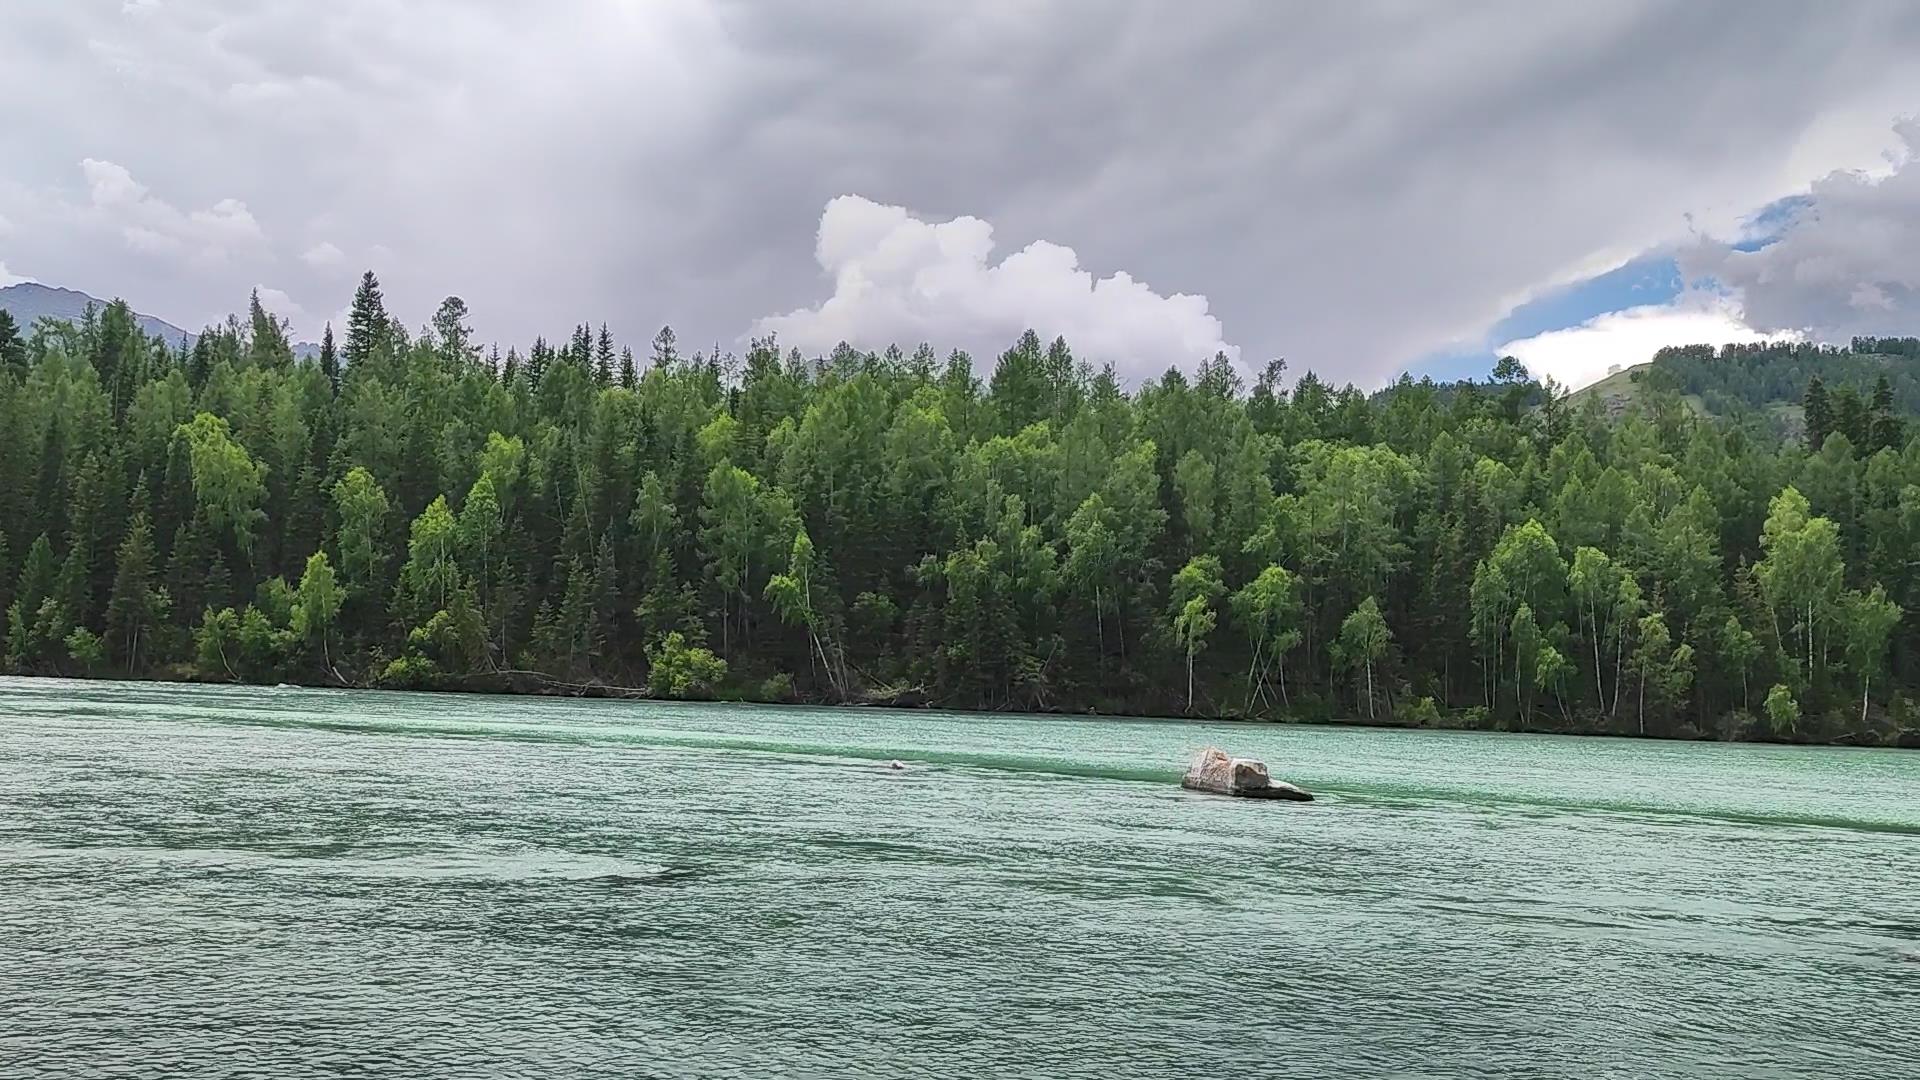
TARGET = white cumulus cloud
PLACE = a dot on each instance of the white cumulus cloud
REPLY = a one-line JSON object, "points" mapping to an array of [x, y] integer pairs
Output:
{"points": [[151, 225], [324, 255], [277, 302], [7, 277], [901, 280], [1584, 354]]}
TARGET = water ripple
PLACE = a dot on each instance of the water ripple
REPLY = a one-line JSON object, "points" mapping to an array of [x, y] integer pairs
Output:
{"points": [[307, 884]]}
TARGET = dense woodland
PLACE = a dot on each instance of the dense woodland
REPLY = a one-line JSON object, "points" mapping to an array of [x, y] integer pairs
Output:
{"points": [[411, 510]]}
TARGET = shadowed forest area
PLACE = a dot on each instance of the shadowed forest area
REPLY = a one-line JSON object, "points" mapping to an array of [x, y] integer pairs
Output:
{"points": [[1726, 554]]}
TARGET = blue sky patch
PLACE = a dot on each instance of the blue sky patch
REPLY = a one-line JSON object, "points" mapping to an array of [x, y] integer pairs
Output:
{"points": [[1652, 278]]}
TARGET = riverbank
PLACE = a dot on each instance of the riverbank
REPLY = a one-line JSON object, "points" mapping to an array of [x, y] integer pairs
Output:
{"points": [[536, 684]]}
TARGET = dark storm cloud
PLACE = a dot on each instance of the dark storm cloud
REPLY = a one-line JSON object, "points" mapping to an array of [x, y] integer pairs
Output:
{"points": [[1350, 185]]}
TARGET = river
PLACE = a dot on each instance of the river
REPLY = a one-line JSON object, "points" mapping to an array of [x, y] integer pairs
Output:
{"points": [[303, 883]]}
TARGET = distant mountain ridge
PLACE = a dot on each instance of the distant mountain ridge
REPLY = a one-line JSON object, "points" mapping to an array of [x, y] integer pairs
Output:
{"points": [[31, 300]]}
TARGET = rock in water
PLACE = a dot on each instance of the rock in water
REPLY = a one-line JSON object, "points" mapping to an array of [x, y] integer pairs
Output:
{"points": [[1214, 771], [896, 764]]}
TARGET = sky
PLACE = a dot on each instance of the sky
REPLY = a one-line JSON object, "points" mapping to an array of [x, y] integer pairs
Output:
{"points": [[1363, 189]]}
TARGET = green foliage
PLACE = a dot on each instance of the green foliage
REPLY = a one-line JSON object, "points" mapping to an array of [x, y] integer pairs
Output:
{"points": [[1783, 713], [777, 687], [678, 669], [889, 526], [136, 607], [1270, 613], [1363, 643], [85, 649], [1422, 712], [362, 509], [316, 606], [227, 481], [217, 644], [409, 672]]}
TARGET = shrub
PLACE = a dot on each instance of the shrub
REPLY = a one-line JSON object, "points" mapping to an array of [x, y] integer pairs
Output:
{"points": [[86, 650], [778, 687], [1783, 713], [408, 672], [683, 670], [1422, 713]]}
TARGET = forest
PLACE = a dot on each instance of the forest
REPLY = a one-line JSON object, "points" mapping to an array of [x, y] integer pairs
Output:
{"points": [[413, 510]]}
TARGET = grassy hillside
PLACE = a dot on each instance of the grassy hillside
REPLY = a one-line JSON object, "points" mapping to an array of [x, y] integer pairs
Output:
{"points": [[1619, 390], [1767, 382]]}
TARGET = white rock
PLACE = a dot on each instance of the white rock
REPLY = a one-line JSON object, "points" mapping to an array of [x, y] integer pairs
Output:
{"points": [[1216, 772]]}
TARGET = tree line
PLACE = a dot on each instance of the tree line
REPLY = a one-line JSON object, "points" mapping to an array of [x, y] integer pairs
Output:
{"points": [[412, 510]]}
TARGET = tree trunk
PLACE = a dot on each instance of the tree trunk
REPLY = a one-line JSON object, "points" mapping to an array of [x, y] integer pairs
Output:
{"points": [[1643, 703], [1189, 678], [1100, 627], [1370, 715], [1255, 676], [1619, 652], [1599, 677], [1809, 642]]}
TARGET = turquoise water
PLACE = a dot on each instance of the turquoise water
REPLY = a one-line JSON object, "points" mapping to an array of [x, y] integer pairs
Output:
{"points": [[293, 883]]}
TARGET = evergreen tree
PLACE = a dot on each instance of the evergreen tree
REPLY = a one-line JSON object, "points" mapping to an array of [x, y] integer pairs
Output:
{"points": [[135, 606], [13, 350], [1818, 412], [329, 359], [603, 358], [368, 325], [665, 351], [881, 526]]}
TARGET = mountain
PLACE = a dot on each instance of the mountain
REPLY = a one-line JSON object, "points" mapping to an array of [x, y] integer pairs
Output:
{"points": [[29, 300]]}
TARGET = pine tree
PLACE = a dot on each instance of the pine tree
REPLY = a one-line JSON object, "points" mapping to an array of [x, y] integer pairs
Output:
{"points": [[268, 336], [580, 349], [603, 358], [13, 351], [329, 359], [454, 336], [200, 363], [1887, 432], [368, 325], [1819, 413], [628, 377], [135, 606], [665, 354]]}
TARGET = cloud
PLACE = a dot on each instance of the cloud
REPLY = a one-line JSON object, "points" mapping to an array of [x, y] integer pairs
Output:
{"points": [[1587, 353], [153, 226], [901, 280], [1846, 262], [8, 277], [277, 302], [324, 256], [1350, 186]]}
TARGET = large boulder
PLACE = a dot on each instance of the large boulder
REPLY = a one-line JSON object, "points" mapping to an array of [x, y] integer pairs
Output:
{"points": [[1214, 771]]}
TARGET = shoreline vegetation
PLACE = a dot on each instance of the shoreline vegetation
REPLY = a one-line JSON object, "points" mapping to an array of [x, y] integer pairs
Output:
{"points": [[1722, 551]]}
